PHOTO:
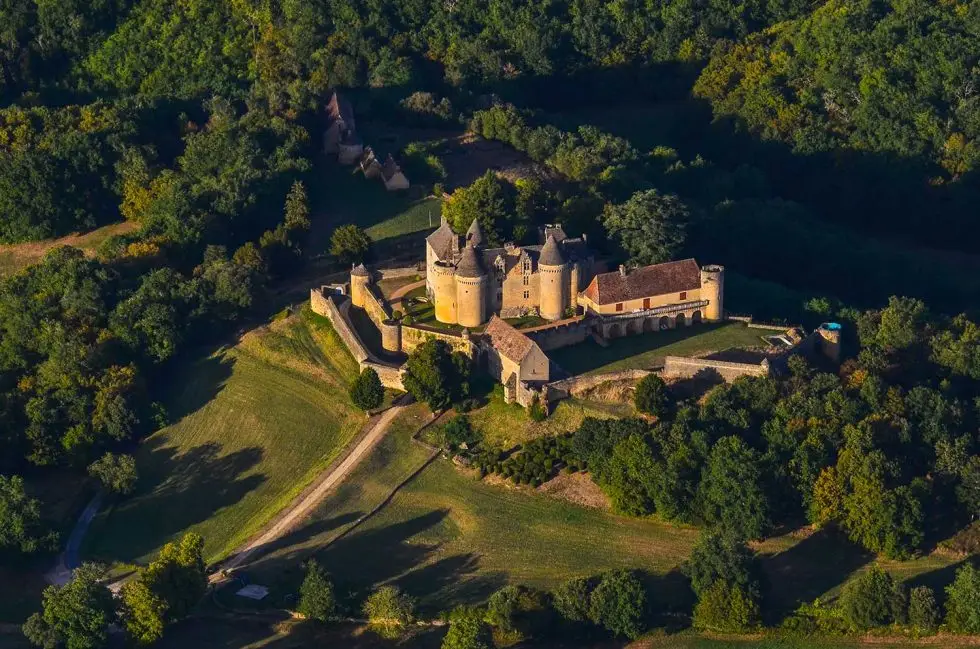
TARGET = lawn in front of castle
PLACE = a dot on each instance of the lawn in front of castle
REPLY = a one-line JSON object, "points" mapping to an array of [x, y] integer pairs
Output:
{"points": [[253, 425], [647, 350]]}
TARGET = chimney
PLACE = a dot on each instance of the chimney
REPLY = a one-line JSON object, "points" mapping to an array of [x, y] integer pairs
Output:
{"points": [[622, 270]]}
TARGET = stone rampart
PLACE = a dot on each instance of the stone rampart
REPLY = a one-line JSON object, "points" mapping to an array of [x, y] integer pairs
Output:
{"points": [[679, 367], [391, 377], [376, 306], [577, 384], [561, 333], [415, 335], [403, 271]]}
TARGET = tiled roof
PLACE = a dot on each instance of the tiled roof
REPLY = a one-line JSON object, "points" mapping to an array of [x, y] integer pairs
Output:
{"points": [[659, 279], [339, 108], [360, 271], [390, 168], [475, 234], [508, 341]]}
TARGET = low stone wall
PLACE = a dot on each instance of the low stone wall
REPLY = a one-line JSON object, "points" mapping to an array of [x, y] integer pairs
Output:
{"points": [[578, 384], [415, 335], [404, 271], [684, 368]]}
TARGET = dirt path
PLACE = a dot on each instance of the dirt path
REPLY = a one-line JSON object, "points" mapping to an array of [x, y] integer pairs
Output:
{"points": [[68, 560], [396, 296], [301, 508]]}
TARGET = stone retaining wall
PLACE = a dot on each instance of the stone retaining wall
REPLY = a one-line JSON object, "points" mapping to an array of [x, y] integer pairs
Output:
{"points": [[415, 335], [561, 333], [685, 368], [578, 384]]}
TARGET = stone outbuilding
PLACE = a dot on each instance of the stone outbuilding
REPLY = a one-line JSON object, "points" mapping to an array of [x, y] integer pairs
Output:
{"points": [[514, 360], [340, 137], [393, 176]]}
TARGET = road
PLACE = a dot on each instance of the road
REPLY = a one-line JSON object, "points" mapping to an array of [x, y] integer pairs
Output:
{"points": [[290, 518], [68, 560], [396, 296]]}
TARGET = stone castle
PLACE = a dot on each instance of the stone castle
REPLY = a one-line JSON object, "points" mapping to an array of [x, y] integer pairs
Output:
{"points": [[468, 282]]}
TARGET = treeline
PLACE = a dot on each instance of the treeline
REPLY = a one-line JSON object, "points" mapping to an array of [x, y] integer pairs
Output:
{"points": [[736, 217], [85, 341]]}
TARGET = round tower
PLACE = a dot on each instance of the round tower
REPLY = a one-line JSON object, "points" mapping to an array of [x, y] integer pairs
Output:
{"points": [[553, 278], [713, 290], [391, 336], [471, 289], [360, 278], [830, 340], [444, 292]]}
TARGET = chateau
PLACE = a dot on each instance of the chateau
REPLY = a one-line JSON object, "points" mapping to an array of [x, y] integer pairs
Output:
{"points": [[469, 282]]}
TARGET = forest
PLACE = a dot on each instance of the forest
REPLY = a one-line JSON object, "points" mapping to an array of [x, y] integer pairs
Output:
{"points": [[838, 165]]}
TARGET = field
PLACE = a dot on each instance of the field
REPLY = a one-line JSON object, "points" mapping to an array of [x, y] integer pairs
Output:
{"points": [[17, 256], [447, 537], [648, 350], [254, 425]]}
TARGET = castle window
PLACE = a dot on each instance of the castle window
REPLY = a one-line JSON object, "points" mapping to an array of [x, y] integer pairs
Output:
{"points": [[646, 302], [525, 280], [683, 295], [527, 294], [619, 306]]}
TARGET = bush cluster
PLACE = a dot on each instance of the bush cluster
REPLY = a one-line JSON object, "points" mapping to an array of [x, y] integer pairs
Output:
{"points": [[534, 463]]}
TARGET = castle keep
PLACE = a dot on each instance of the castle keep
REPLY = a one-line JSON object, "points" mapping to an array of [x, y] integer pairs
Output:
{"points": [[468, 281]]}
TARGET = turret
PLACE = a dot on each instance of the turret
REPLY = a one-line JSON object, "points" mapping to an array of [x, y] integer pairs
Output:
{"points": [[360, 278], [713, 290], [471, 289], [554, 281], [474, 236], [443, 280], [830, 340]]}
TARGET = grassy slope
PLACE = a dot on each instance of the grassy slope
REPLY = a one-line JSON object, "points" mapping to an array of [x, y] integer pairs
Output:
{"points": [[17, 256], [264, 417], [648, 350], [505, 425], [448, 537]]}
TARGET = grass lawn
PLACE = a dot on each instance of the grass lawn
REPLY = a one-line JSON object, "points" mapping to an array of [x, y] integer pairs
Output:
{"points": [[344, 195], [260, 420], [649, 349], [507, 424], [17, 256]]}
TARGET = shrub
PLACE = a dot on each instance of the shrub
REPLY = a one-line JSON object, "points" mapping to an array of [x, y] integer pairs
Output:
{"points": [[923, 611], [515, 613], [963, 601], [467, 630], [571, 599], [388, 610], [726, 608], [458, 431], [721, 557], [653, 397], [618, 603], [870, 600], [536, 411], [116, 473], [350, 244], [366, 391], [316, 596]]}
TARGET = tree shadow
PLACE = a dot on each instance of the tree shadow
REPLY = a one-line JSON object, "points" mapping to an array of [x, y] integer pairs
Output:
{"points": [[301, 536], [175, 491], [195, 380], [938, 579], [807, 570]]}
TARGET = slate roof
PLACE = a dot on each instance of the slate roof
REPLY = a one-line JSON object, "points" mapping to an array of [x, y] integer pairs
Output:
{"points": [[508, 341], [360, 271], [474, 235], [551, 253], [339, 108], [390, 168], [469, 264], [443, 241], [659, 279]]}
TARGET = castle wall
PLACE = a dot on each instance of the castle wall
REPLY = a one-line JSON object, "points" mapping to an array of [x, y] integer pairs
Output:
{"points": [[680, 367], [562, 333], [578, 384], [337, 315], [415, 335], [391, 377], [375, 305], [513, 303]]}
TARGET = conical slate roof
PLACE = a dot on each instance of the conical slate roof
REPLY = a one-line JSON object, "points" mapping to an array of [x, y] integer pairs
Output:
{"points": [[443, 240], [469, 264], [474, 235], [551, 253], [360, 271]]}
